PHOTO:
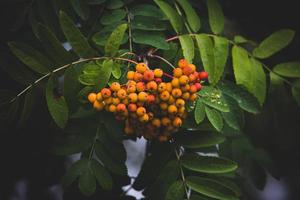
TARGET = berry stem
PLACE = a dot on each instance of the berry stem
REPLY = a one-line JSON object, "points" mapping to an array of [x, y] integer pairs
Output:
{"points": [[161, 58], [168, 75]]}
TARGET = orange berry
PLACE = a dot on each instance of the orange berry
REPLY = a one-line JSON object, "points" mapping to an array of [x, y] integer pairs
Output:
{"points": [[163, 138], [180, 103], [193, 97], [162, 87], [177, 122], [165, 95], [140, 86], [122, 94], [181, 110], [121, 107], [131, 88], [192, 77], [92, 97], [175, 82], [156, 122], [171, 100], [152, 85], [108, 101], [172, 109], [183, 80], [185, 88], [158, 73], [132, 107], [163, 105], [148, 75], [165, 121], [193, 67], [141, 67], [151, 98], [98, 105], [144, 118], [187, 70], [112, 108], [99, 96], [186, 96], [115, 86], [105, 92], [142, 96], [115, 101], [132, 97], [131, 82], [176, 92], [177, 72], [182, 63], [130, 75], [137, 76], [169, 87], [193, 89], [141, 111]]}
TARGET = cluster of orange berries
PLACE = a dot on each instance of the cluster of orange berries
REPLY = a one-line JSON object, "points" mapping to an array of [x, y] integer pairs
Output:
{"points": [[150, 107]]}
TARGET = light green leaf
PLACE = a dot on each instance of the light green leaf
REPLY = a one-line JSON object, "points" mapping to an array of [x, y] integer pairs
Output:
{"points": [[116, 71], [274, 43], [187, 45], [30, 57], [81, 8], [194, 139], [176, 191], [74, 172], [105, 73], [148, 23], [221, 48], [113, 17], [240, 39], [114, 4], [296, 91], [208, 164], [78, 42], [213, 97], [199, 112], [171, 14], [87, 181], [148, 11], [114, 41], [215, 118], [215, 16], [149, 38], [210, 188], [290, 69], [104, 179], [191, 15]]}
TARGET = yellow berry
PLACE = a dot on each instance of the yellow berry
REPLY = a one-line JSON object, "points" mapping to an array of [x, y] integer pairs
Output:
{"points": [[108, 100], [115, 86], [175, 82], [177, 72], [152, 85], [132, 97], [171, 100], [186, 96], [112, 108], [172, 109], [165, 95], [182, 63], [169, 87], [144, 118], [141, 67], [141, 111], [99, 96], [131, 88], [92, 97], [180, 103], [122, 94], [193, 97], [98, 105], [176, 92], [130, 75], [142, 96], [165, 121], [183, 80], [158, 73], [115, 101]]}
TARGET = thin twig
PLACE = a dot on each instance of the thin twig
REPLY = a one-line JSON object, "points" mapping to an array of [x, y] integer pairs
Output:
{"points": [[182, 174], [161, 58], [129, 29]]}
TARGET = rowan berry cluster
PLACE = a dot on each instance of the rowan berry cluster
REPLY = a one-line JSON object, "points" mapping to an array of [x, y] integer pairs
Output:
{"points": [[150, 107]]}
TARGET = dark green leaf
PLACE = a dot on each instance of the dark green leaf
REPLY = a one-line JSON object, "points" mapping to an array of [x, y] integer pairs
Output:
{"points": [[114, 4], [114, 41], [100, 39], [296, 91], [103, 177], [171, 14], [87, 182], [148, 23], [95, 2], [154, 39], [214, 98], [210, 188], [215, 16], [113, 17], [199, 112], [221, 48], [74, 172], [290, 69], [187, 45], [176, 191], [215, 118], [81, 8], [229, 184], [208, 164], [191, 15], [235, 117], [57, 105], [30, 57], [148, 11], [77, 40]]}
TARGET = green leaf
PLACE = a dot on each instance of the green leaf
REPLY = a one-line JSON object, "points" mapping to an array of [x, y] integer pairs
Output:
{"points": [[213, 97], [171, 14], [187, 45], [87, 182], [240, 39], [53, 46], [245, 100], [199, 112], [148, 11], [148, 23], [114, 4], [199, 197], [215, 118], [194, 139], [57, 105], [113, 17], [28, 106], [105, 73], [274, 43], [210, 188], [176, 191], [114, 41], [149, 38], [116, 71], [77, 40], [191, 15], [244, 67], [208, 164], [30, 57], [81, 8], [221, 49], [74, 172], [235, 117], [103, 177], [100, 38], [95, 2], [296, 91], [215, 16], [290, 69]]}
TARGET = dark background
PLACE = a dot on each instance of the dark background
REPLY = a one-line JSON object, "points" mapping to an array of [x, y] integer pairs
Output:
{"points": [[24, 153]]}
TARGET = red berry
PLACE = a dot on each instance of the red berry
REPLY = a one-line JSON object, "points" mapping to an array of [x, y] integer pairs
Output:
{"points": [[203, 75]]}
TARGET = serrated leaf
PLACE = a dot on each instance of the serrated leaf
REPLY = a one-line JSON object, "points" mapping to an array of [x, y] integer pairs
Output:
{"points": [[208, 164], [199, 112], [148, 23], [103, 178], [114, 41], [74, 172], [57, 105], [113, 17], [53, 46], [148, 11], [195, 139], [76, 39], [245, 100], [81, 8], [214, 98], [29, 102], [87, 182], [149, 38], [215, 118], [191, 15], [274, 43], [215, 16], [296, 91], [221, 49], [289, 69], [114, 4], [30, 57], [187, 45], [210, 188], [176, 191], [171, 14]]}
